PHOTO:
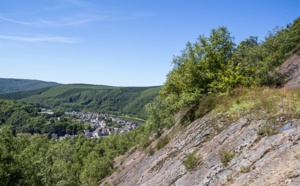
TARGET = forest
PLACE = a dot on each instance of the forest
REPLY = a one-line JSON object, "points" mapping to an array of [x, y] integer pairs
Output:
{"points": [[90, 98], [206, 70]]}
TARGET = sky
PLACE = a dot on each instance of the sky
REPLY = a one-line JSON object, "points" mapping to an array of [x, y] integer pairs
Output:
{"points": [[120, 42]]}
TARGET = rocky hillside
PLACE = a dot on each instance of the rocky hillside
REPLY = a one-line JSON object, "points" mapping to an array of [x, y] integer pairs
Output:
{"points": [[248, 150], [291, 68], [223, 135], [250, 138]]}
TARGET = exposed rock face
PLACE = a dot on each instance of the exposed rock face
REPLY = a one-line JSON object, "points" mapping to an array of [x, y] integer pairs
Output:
{"points": [[291, 68], [258, 160]]}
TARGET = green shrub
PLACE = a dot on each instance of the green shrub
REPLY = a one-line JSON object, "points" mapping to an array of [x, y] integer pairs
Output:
{"points": [[226, 156], [151, 151], [268, 129], [191, 160], [206, 104], [245, 169], [146, 143], [162, 142]]}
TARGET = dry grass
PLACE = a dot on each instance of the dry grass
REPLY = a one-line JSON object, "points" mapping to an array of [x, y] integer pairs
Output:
{"points": [[261, 103]]}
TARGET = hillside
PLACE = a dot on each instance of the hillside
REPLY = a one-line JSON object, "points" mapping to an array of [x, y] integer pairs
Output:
{"points": [[11, 85], [290, 68], [78, 97], [217, 121], [221, 118], [250, 139]]}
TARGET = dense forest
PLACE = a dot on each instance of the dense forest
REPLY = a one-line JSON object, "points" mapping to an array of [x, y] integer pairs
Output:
{"points": [[95, 98], [9, 85], [27, 118], [206, 70]]}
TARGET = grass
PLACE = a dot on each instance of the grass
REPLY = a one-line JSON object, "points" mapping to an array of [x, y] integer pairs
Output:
{"points": [[162, 142], [245, 169], [268, 129], [226, 157], [191, 160], [260, 103], [151, 151]]}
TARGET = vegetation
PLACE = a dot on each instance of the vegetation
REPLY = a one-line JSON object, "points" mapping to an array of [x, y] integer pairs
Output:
{"points": [[207, 76], [191, 161], [162, 142], [226, 157], [10, 85], [267, 130], [24, 118], [245, 169], [105, 99], [215, 66], [28, 160]]}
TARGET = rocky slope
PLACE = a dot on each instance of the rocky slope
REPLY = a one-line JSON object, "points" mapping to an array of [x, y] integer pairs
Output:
{"points": [[291, 69], [258, 160], [253, 141]]}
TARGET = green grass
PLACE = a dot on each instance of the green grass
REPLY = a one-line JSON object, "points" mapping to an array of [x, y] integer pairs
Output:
{"points": [[262, 103], [226, 157], [191, 161], [162, 142]]}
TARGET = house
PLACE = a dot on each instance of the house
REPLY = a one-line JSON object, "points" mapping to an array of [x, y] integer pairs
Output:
{"points": [[87, 133], [54, 136], [99, 132]]}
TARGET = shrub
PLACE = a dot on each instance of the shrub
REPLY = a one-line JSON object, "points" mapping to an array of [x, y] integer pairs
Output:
{"points": [[151, 151], [191, 161], [206, 104], [226, 156], [245, 169], [268, 129], [162, 142]]}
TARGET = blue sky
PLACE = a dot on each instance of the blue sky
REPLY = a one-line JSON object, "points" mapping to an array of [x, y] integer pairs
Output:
{"points": [[120, 42]]}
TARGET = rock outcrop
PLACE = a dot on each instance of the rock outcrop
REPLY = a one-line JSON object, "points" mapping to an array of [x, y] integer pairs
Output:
{"points": [[291, 69], [257, 160], [227, 151]]}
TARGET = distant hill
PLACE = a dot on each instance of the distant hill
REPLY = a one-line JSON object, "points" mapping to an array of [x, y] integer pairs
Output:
{"points": [[98, 98], [11, 85]]}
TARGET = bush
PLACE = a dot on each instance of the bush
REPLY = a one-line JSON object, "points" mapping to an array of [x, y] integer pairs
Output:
{"points": [[267, 130], [164, 141], [206, 104], [226, 156], [245, 169], [151, 151], [191, 161]]}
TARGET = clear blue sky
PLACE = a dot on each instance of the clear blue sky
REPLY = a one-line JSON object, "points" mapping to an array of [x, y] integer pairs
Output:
{"points": [[120, 42]]}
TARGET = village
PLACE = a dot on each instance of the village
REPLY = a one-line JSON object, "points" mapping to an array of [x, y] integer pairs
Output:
{"points": [[101, 125]]}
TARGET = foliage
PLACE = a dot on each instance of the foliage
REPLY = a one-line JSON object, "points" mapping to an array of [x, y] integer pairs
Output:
{"points": [[10, 85], [204, 105], [105, 99], [226, 157], [267, 130], [28, 160], [159, 116], [151, 151], [245, 169], [264, 103], [25, 119], [162, 142], [191, 160], [205, 77]]}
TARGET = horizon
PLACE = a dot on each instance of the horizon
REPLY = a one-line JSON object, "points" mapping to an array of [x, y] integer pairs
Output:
{"points": [[120, 43], [88, 84]]}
